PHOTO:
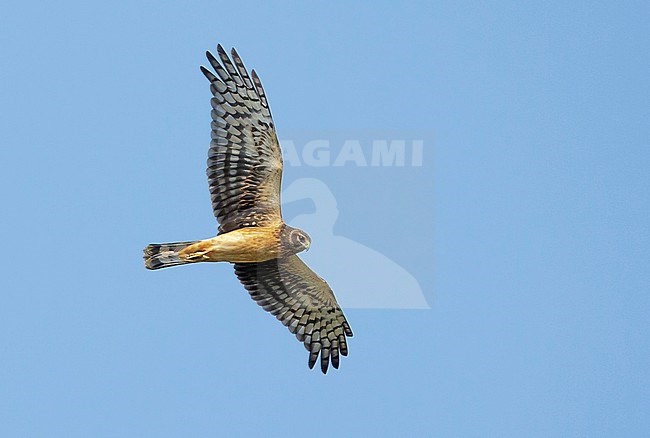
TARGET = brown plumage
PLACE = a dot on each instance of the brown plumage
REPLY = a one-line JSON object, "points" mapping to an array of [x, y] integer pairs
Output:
{"points": [[244, 174]]}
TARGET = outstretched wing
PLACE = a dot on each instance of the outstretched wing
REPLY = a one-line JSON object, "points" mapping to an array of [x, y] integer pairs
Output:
{"points": [[303, 302], [244, 161]]}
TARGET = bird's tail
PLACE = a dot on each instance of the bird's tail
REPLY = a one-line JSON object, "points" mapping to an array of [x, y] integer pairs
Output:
{"points": [[164, 255]]}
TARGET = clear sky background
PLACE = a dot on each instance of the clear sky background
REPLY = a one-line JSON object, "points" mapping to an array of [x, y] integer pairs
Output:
{"points": [[527, 227]]}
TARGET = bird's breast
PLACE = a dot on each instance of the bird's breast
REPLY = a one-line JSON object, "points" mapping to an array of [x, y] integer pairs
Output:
{"points": [[245, 245]]}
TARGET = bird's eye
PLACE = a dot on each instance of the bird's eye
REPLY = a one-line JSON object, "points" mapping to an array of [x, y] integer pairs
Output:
{"points": [[301, 238]]}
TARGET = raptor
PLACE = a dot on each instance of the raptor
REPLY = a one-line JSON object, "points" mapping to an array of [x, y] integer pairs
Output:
{"points": [[244, 175]]}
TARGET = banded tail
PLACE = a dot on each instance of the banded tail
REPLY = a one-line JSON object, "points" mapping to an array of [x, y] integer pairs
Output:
{"points": [[164, 255]]}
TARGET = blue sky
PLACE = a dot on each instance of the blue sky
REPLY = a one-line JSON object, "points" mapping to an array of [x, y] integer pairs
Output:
{"points": [[526, 226]]}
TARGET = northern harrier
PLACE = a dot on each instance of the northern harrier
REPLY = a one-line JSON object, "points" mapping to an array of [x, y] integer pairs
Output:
{"points": [[244, 174]]}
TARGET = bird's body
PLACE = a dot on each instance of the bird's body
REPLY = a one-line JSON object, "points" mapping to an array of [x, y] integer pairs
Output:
{"points": [[244, 174], [243, 245]]}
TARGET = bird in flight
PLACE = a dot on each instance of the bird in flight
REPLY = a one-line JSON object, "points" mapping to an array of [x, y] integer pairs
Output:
{"points": [[244, 174]]}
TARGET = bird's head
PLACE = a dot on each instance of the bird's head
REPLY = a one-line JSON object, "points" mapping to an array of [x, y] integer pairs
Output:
{"points": [[294, 240]]}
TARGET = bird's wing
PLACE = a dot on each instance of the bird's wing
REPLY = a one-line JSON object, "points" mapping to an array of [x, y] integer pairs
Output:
{"points": [[303, 302], [244, 161]]}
